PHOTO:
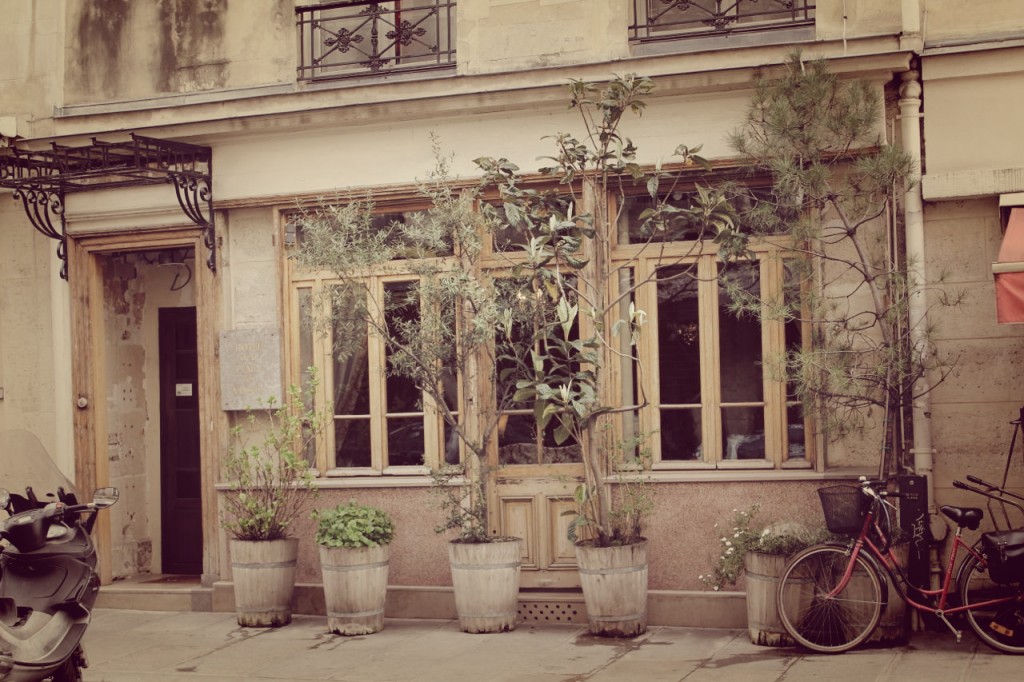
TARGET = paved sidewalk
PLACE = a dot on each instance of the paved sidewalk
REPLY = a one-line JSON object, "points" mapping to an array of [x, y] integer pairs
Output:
{"points": [[151, 646]]}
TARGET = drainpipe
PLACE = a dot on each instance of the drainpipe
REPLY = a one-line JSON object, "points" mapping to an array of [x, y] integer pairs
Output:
{"points": [[913, 214]]}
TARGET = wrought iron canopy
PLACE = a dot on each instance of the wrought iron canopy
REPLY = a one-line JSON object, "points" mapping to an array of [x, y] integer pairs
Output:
{"points": [[41, 179]]}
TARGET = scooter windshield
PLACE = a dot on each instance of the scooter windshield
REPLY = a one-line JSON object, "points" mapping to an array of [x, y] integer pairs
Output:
{"points": [[24, 462]]}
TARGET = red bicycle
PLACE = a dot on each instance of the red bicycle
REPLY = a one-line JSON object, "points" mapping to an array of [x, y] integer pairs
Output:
{"points": [[831, 596]]}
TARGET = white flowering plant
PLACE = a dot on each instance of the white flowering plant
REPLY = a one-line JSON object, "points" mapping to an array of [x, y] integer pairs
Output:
{"points": [[744, 535]]}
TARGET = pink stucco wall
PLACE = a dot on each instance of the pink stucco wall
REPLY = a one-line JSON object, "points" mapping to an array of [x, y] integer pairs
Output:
{"points": [[684, 541]]}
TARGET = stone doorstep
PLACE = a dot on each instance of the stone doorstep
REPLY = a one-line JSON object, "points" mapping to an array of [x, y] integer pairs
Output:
{"points": [[664, 607]]}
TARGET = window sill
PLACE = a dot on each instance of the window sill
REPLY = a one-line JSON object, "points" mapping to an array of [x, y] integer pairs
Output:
{"points": [[708, 474], [374, 481]]}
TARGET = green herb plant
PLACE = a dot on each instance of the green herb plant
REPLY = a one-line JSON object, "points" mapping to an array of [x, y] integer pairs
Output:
{"points": [[353, 525]]}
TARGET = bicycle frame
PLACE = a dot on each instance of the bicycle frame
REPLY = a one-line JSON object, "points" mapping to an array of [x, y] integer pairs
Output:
{"points": [[888, 561]]}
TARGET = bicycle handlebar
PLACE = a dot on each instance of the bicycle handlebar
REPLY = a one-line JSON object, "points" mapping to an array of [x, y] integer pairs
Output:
{"points": [[980, 481], [871, 487]]}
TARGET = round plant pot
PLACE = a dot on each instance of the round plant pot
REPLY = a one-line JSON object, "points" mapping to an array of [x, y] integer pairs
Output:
{"points": [[264, 578], [485, 577], [355, 588], [614, 581], [763, 623]]}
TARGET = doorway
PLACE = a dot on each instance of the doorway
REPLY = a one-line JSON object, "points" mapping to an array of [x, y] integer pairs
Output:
{"points": [[181, 514]]}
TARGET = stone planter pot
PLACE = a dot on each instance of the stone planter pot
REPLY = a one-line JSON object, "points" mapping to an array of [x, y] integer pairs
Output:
{"points": [[355, 588], [486, 580], [263, 572], [763, 623], [614, 581]]}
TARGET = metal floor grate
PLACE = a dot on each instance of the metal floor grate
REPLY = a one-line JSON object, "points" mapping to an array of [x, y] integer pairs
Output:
{"points": [[551, 612]]}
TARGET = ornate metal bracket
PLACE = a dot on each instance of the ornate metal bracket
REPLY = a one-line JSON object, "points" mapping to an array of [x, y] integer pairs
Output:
{"points": [[40, 207], [42, 179], [196, 200]]}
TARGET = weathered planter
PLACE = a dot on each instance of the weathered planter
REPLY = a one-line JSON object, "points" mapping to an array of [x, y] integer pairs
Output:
{"points": [[355, 588], [763, 623], [614, 581], [264, 578], [486, 581]]}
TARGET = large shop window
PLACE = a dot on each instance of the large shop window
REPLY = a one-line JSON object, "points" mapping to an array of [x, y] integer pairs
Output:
{"points": [[721, 397], [708, 384]]}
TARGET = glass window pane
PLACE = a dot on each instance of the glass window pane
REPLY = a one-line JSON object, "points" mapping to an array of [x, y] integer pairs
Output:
{"points": [[678, 337], [743, 432], [795, 432], [402, 322], [352, 443], [633, 230], [517, 440], [740, 336], [405, 441], [681, 435]]}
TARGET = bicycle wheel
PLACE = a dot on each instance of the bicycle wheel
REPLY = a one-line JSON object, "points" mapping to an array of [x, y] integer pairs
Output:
{"points": [[1000, 626], [822, 623]]}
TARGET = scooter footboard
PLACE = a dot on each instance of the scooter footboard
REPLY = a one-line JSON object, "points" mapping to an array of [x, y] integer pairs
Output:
{"points": [[43, 640]]}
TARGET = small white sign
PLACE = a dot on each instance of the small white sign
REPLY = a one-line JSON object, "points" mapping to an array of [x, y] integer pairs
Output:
{"points": [[183, 390]]}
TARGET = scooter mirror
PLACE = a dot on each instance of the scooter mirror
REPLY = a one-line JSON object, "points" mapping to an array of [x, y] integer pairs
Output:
{"points": [[5, 498], [105, 497]]}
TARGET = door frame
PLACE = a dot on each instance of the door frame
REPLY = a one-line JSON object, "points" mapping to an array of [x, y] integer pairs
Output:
{"points": [[89, 383]]}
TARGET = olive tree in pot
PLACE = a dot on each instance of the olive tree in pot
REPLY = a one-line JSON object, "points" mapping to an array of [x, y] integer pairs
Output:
{"points": [[268, 480], [443, 332], [354, 541], [580, 352]]}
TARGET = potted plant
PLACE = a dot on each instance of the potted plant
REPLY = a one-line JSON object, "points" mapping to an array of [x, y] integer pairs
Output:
{"points": [[354, 540], [269, 479], [585, 336], [448, 349], [760, 552]]}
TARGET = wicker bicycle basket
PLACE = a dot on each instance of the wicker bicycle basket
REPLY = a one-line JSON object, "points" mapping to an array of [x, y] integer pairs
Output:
{"points": [[844, 507]]}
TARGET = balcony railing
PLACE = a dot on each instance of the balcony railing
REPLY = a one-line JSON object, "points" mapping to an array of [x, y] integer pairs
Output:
{"points": [[362, 38], [673, 19]]}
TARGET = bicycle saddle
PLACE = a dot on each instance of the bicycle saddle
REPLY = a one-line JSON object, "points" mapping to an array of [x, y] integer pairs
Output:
{"points": [[969, 517]]}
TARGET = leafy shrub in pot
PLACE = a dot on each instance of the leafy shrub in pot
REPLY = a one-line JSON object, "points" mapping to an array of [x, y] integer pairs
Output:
{"points": [[353, 525]]}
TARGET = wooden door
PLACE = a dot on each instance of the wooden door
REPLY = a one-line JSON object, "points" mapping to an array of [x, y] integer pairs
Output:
{"points": [[533, 488], [180, 471]]}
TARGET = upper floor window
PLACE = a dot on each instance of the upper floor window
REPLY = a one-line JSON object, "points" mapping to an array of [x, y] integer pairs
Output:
{"points": [[671, 19], [357, 38]]}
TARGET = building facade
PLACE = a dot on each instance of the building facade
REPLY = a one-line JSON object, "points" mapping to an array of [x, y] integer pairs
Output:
{"points": [[147, 295]]}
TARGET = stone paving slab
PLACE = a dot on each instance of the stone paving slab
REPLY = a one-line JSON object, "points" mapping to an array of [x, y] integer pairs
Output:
{"points": [[160, 646]]}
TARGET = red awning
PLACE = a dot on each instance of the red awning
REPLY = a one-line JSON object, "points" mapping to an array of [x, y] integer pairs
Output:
{"points": [[1009, 271]]}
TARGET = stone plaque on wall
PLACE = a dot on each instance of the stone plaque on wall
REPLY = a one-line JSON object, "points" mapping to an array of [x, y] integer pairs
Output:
{"points": [[250, 368]]}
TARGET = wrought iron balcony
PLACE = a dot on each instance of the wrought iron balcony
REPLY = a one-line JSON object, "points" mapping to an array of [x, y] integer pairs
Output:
{"points": [[674, 19], [361, 38]]}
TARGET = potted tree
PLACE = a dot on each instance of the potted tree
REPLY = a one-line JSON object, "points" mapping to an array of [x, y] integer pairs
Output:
{"points": [[268, 481], [587, 338], [760, 552], [354, 540], [834, 181], [448, 349]]}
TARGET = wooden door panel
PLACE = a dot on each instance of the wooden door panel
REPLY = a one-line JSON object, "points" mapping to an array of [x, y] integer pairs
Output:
{"points": [[532, 508], [519, 519], [561, 552]]}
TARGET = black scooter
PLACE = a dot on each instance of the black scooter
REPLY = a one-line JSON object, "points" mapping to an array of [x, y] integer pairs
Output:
{"points": [[48, 580]]}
